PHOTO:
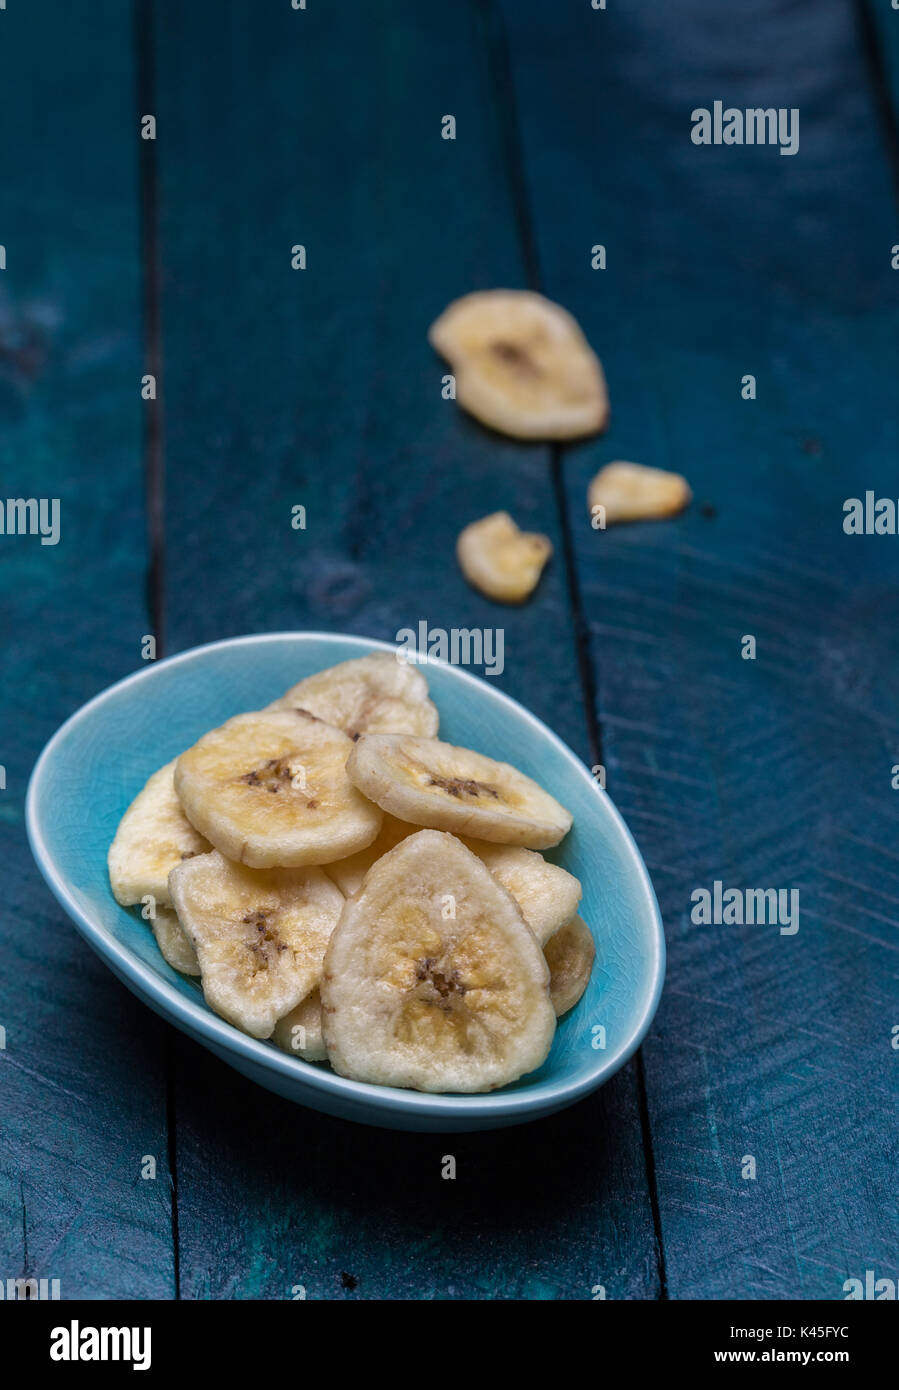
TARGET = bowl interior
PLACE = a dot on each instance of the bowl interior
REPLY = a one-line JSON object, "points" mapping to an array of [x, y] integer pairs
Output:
{"points": [[99, 760]]}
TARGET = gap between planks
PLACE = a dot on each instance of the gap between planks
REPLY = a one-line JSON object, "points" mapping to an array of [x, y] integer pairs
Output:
{"points": [[154, 462], [500, 68], [887, 117]]}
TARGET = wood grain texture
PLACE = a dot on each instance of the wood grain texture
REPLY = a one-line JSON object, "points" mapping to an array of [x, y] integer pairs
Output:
{"points": [[82, 1070], [317, 388], [767, 773]]}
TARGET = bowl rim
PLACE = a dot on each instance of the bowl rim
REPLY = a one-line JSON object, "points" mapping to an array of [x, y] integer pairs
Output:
{"points": [[197, 1018]]}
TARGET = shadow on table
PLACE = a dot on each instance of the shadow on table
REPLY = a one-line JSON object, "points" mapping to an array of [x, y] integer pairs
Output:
{"points": [[272, 1196]]}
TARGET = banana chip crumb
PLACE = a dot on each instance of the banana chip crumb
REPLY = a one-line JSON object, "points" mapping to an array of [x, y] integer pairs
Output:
{"points": [[500, 560], [635, 492]]}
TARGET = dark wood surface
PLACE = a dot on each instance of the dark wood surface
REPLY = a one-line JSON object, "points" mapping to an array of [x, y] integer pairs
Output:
{"points": [[279, 388], [83, 1070]]}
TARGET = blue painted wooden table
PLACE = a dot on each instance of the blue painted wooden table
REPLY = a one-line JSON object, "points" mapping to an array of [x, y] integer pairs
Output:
{"points": [[125, 256]]}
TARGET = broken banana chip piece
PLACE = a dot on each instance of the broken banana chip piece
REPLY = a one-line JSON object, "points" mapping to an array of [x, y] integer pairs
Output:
{"points": [[635, 492], [522, 365], [370, 694], [270, 789], [300, 1031], [547, 895], [569, 955], [500, 560], [432, 979], [153, 836], [435, 784], [260, 935], [173, 941]]}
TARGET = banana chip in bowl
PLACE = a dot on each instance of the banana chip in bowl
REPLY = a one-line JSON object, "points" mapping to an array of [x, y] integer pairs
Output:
{"points": [[385, 924]]}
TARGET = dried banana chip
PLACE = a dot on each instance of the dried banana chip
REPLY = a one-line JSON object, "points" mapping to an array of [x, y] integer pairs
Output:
{"points": [[270, 789], [435, 784], [522, 365], [260, 935], [370, 694], [634, 492], [300, 1031], [432, 978], [348, 873], [500, 560], [547, 895], [569, 955], [173, 941], [153, 836]]}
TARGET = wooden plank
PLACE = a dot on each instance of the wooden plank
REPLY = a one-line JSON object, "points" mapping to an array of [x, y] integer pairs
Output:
{"points": [[317, 388], [82, 1067], [879, 32], [776, 772]]}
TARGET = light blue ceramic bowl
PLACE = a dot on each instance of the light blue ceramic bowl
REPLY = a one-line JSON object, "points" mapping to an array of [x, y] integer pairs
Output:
{"points": [[101, 757]]}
